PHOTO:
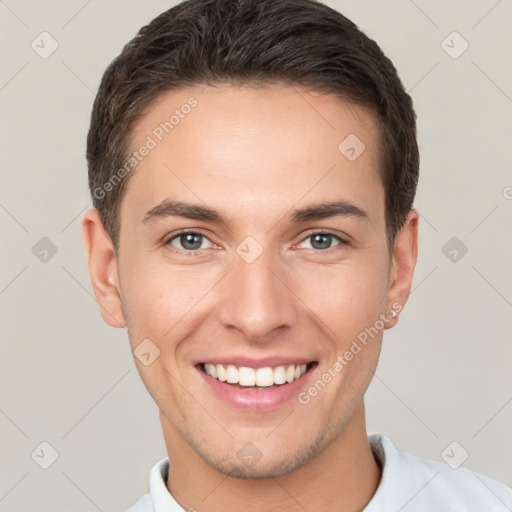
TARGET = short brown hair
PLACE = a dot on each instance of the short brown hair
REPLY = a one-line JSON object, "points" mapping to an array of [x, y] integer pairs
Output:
{"points": [[251, 42]]}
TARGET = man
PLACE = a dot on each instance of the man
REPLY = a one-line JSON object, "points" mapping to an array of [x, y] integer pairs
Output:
{"points": [[253, 166]]}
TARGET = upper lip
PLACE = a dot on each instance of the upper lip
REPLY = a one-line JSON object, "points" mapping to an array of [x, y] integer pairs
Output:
{"points": [[256, 363]]}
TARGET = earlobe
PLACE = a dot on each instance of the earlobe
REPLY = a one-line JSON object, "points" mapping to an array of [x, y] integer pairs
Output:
{"points": [[102, 265], [405, 254]]}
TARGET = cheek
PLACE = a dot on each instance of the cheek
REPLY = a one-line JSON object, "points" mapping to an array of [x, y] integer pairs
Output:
{"points": [[161, 300], [347, 298]]}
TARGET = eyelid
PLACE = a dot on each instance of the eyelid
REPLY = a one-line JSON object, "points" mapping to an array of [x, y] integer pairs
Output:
{"points": [[167, 240], [318, 231]]}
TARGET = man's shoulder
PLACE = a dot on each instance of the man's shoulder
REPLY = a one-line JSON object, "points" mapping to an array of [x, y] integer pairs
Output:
{"points": [[416, 483], [144, 504], [158, 497], [408, 483]]}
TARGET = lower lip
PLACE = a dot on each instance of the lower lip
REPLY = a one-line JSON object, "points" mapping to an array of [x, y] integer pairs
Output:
{"points": [[262, 399]]}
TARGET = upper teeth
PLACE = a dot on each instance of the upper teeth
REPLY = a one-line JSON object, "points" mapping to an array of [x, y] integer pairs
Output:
{"points": [[246, 376]]}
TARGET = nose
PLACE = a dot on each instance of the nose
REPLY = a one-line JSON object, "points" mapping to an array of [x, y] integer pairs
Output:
{"points": [[257, 300]]}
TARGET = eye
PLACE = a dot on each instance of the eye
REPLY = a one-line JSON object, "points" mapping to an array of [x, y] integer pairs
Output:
{"points": [[190, 241], [321, 241]]}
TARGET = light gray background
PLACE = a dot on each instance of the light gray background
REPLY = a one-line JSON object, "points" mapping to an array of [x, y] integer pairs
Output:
{"points": [[69, 379]]}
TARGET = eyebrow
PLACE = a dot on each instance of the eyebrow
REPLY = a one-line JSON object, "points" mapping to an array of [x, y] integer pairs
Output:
{"points": [[340, 208]]}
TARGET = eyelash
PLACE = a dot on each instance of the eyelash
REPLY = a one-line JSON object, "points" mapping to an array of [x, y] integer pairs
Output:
{"points": [[198, 252]]}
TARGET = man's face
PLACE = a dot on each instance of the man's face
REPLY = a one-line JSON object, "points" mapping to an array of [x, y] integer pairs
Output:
{"points": [[260, 289]]}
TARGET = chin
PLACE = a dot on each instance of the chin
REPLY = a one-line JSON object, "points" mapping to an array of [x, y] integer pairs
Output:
{"points": [[250, 463]]}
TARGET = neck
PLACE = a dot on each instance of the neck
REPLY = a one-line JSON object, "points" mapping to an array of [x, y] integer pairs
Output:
{"points": [[343, 477]]}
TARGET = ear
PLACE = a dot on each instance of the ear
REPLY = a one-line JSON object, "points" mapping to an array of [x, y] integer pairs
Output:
{"points": [[102, 265], [403, 262]]}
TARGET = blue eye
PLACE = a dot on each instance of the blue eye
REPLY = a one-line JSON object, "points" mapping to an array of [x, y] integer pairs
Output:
{"points": [[190, 241], [323, 240]]}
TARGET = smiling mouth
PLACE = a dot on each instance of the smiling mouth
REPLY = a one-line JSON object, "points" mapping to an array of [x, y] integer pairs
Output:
{"points": [[260, 378]]}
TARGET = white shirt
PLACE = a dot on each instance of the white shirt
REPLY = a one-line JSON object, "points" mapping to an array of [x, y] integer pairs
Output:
{"points": [[408, 484]]}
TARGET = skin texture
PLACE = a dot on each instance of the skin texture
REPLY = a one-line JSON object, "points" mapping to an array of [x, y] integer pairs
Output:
{"points": [[255, 155]]}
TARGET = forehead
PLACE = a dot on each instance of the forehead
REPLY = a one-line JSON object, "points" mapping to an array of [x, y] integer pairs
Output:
{"points": [[258, 147]]}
